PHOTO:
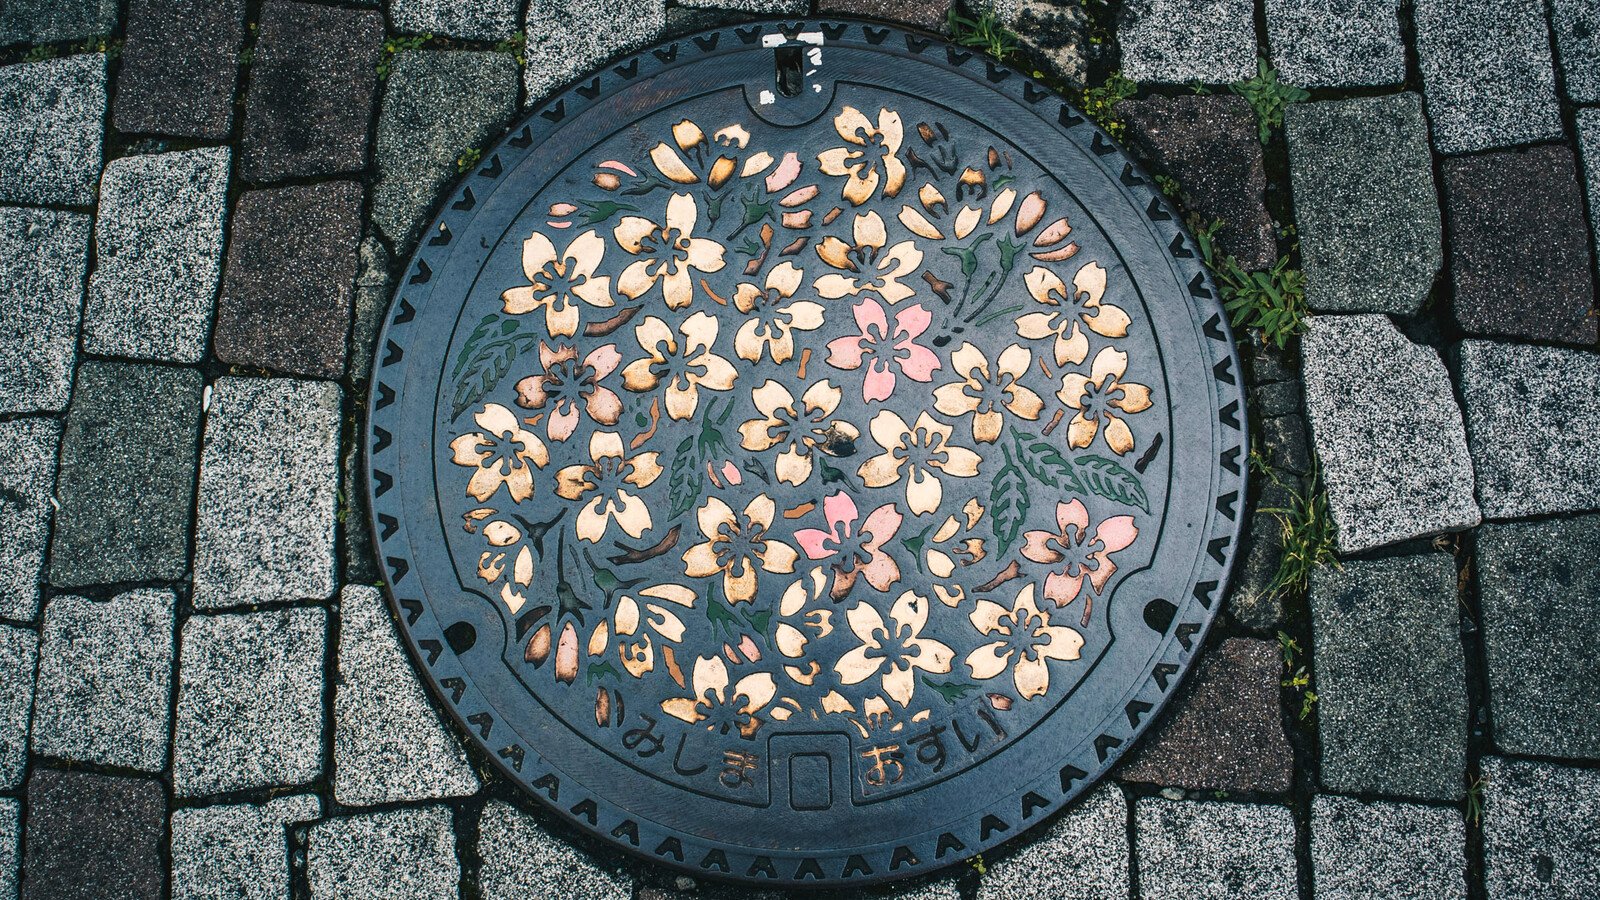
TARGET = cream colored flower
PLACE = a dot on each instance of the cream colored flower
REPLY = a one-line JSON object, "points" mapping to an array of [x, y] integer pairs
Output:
{"points": [[946, 551], [1023, 640], [897, 652], [774, 315], [500, 454], [636, 619], [921, 451], [966, 218], [871, 267], [803, 431], [686, 366], [609, 476], [874, 162], [566, 383], [982, 393], [721, 709], [691, 142], [557, 279], [791, 633], [736, 545], [1102, 396], [669, 253], [1083, 304]]}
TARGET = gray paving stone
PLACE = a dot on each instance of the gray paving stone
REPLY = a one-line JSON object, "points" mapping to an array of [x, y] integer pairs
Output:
{"points": [[93, 837], [437, 105], [521, 858], [1398, 851], [126, 418], [1589, 147], [1323, 43], [1365, 202], [43, 255], [249, 701], [1487, 71], [1214, 851], [1576, 24], [51, 121], [1180, 41], [1390, 677], [10, 844], [402, 853], [158, 255], [286, 290], [104, 693], [1535, 579], [1400, 469], [19, 653], [767, 7], [55, 21], [236, 852], [567, 38], [313, 83], [1541, 825], [27, 478], [1533, 420], [926, 14], [486, 20], [269, 479], [179, 68], [1055, 30], [389, 743], [374, 290], [1287, 446], [1082, 856], [1255, 602]]}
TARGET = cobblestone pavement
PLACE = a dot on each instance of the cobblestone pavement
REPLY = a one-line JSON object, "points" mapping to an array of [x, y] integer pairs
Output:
{"points": [[203, 205]]}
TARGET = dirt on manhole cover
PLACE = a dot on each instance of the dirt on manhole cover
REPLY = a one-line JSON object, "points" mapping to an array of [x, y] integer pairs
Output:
{"points": [[805, 454]]}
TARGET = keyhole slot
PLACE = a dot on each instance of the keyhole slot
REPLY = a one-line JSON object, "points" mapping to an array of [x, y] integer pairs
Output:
{"points": [[788, 74]]}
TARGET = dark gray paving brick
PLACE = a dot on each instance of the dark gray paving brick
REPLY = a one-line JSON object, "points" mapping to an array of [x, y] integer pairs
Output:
{"points": [[236, 852], [389, 743], [1541, 825], [567, 38], [287, 286], [1323, 43], [1519, 246], [158, 255], [1401, 468], [374, 289], [1365, 202], [1179, 41], [521, 858], [1589, 147], [1211, 146], [10, 846], [764, 7], [51, 121], [1225, 729], [1577, 28], [926, 14], [1487, 71], [27, 478], [126, 418], [1055, 30], [486, 20], [54, 21], [91, 837], [1533, 420], [1082, 856], [1390, 677], [104, 693], [1398, 851], [43, 255], [1255, 602], [249, 701], [19, 653], [401, 853], [1535, 580], [180, 67], [269, 480], [1287, 446], [313, 83], [1214, 851], [437, 105]]}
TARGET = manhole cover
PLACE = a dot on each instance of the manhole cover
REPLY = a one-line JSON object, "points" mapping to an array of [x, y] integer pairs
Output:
{"points": [[805, 453]]}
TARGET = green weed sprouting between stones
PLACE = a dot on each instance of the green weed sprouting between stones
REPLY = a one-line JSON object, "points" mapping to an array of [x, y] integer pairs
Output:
{"points": [[1268, 97], [393, 46], [468, 158], [1308, 536], [1272, 301], [112, 48], [516, 45], [1099, 103], [976, 862], [986, 33], [1475, 785], [1296, 677]]}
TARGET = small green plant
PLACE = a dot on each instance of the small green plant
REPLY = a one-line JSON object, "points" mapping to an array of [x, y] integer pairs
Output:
{"points": [[1272, 300], [1100, 102], [977, 863], [516, 45], [1296, 677], [1475, 785], [468, 158], [1268, 96], [392, 47], [39, 54], [1308, 536], [986, 33], [1169, 186]]}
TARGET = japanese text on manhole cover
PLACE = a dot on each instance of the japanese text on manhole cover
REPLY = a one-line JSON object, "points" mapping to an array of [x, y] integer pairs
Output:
{"points": [[805, 454]]}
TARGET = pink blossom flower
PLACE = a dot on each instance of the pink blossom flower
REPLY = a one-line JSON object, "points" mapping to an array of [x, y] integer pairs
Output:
{"points": [[855, 551], [878, 347], [1080, 550]]}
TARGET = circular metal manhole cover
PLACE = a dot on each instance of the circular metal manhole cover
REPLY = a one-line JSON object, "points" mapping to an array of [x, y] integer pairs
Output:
{"points": [[805, 454]]}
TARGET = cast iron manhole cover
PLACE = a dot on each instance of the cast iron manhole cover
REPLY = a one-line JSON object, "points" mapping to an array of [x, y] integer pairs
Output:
{"points": [[805, 453]]}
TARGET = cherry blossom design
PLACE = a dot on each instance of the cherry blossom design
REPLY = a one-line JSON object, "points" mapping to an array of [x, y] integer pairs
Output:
{"points": [[557, 278], [736, 545], [686, 366], [983, 394], [774, 315], [916, 452], [804, 427], [668, 252], [1103, 397], [566, 383], [1080, 550], [688, 141], [896, 650], [869, 266], [878, 348], [635, 620], [1023, 642], [874, 163], [721, 708], [612, 477], [853, 550], [502, 453], [1080, 305]]}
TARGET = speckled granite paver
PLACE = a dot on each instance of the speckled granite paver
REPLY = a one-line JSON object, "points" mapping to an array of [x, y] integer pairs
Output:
{"points": [[928, 14], [180, 66], [1487, 71], [266, 537], [1056, 31], [485, 20], [401, 853], [1398, 851], [1180, 41], [238, 851], [1203, 850], [1541, 825], [1589, 148], [249, 701], [19, 655], [91, 837], [10, 846], [520, 857], [1322, 43], [105, 680], [27, 477], [51, 115], [50, 21], [43, 255], [1576, 24], [569, 37], [1082, 856]]}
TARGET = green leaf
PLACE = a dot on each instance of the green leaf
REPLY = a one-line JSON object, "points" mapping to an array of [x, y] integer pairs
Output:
{"points": [[483, 362], [1045, 463], [1008, 503], [1106, 478], [951, 691]]}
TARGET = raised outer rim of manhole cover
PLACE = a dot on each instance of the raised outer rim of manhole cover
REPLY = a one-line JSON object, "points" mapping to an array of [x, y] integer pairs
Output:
{"points": [[1178, 618]]}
